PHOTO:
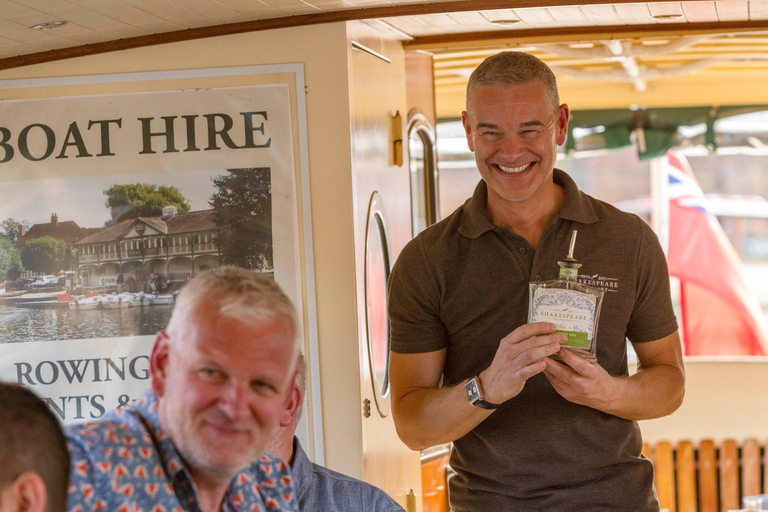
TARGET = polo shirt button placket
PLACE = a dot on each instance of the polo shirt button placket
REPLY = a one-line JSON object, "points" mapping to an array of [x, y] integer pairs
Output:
{"points": [[521, 250], [538, 277]]}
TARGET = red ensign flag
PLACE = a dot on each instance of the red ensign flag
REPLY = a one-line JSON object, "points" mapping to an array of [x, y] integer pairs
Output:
{"points": [[720, 315]]}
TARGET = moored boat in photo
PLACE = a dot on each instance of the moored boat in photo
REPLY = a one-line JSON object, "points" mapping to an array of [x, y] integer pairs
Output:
{"points": [[120, 300], [82, 302]]}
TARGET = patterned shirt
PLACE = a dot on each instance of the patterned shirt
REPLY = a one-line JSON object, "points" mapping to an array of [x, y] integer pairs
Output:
{"points": [[125, 463], [319, 488]]}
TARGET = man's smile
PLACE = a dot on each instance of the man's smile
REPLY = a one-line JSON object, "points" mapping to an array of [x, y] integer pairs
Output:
{"points": [[514, 170]]}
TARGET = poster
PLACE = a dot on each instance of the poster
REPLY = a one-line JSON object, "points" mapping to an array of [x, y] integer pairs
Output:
{"points": [[112, 201]]}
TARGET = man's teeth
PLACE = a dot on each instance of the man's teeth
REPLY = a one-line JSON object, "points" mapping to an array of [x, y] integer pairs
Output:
{"points": [[513, 169]]}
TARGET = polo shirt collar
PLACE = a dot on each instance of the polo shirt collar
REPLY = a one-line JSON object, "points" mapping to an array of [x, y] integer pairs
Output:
{"points": [[576, 207]]}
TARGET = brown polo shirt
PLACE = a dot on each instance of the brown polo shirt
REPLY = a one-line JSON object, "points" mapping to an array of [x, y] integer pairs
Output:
{"points": [[462, 285]]}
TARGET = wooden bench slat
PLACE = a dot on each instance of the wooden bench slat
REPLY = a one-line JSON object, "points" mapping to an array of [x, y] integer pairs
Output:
{"points": [[765, 470], [729, 476], [664, 462], [686, 478], [708, 491], [750, 467]]}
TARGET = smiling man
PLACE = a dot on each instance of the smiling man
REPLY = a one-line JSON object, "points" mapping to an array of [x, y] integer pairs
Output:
{"points": [[221, 377], [530, 433]]}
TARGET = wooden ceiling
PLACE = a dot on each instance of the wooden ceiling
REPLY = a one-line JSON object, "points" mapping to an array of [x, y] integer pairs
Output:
{"points": [[605, 54]]}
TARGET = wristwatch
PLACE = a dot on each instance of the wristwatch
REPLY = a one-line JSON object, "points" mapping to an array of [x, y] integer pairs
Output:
{"points": [[475, 394]]}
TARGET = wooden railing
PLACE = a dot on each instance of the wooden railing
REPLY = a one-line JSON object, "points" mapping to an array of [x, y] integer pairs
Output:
{"points": [[707, 477]]}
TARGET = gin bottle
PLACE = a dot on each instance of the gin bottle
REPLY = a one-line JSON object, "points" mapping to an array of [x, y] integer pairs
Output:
{"points": [[572, 306]]}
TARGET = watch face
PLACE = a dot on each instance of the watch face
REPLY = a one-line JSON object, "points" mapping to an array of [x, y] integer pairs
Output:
{"points": [[473, 393]]}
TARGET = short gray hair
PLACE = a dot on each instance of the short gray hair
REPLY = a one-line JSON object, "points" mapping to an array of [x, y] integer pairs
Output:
{"points": [[514, 68], [245, 295]]}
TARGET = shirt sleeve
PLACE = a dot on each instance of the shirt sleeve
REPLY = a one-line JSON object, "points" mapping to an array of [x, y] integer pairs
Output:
{"points": [[414, 303], [86, 490], [653, 317]]}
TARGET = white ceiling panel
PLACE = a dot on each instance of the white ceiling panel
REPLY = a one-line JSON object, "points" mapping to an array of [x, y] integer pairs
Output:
{"points": [[128, 14], [535, 16], [732, 11], [45, 5], [568, 16], [667, 12], [601, 14], [297, 9], [758, 10], [88, 18], [18, 32], [412, 25], [331, 5], [215, 11], [700, 12], [169, 11], [10, 10], [634, 14]]}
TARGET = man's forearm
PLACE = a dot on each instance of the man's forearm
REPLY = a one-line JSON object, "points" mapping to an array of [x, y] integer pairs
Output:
{"points": [[650, 393], [428, 417]]}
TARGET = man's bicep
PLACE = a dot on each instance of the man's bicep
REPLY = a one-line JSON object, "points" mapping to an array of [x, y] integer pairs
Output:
{"points": [[411, 372], [664, 351]]}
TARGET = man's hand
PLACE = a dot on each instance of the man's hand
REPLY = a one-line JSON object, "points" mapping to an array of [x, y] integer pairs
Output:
{"points": [[426, 414], [521, 355], [655, 390], [580, 382]]}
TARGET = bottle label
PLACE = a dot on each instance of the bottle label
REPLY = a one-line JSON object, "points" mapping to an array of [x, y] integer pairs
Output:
{"points": [[572, 312], [570, 273]]}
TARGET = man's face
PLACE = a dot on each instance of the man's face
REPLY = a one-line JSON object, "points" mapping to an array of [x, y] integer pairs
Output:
{"points": [[514, 134], [222, 387]]}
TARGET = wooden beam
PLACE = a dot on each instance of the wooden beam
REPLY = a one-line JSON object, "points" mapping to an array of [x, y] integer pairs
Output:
{"points": [[288, 21], [555, 34]]}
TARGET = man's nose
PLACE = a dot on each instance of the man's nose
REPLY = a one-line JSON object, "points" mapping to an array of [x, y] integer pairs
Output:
{"points": [[510, 147], [234, 401]]}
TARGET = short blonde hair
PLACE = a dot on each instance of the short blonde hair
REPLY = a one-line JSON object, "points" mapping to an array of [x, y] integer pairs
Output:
{"points": [[245, 295]]}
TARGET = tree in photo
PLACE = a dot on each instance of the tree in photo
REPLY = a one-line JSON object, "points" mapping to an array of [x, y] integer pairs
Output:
{"points": [[242, 207], [45, 254], [142, 200], [9, 228], [10, 262]]}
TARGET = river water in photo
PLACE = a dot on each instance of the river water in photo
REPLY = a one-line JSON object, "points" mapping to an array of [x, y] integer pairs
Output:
{"points": [[20, 324]]}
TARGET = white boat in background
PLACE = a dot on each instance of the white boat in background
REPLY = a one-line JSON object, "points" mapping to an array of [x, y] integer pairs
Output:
{"points": [[80, 302], [154, 299], [119, 301]]}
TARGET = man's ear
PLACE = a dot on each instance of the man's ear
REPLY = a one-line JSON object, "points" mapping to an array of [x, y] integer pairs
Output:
{"points": [[564, 114], [292, 404], [158, 363], [467, 123], [26, 493]]}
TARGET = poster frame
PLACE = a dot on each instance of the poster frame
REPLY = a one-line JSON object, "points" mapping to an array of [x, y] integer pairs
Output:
{"points": [[305, 261]]}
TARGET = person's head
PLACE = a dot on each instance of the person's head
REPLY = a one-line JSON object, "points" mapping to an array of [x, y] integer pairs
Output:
{"points": [[223, 369], [34, 461], [281, 444], [514, 122]]}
